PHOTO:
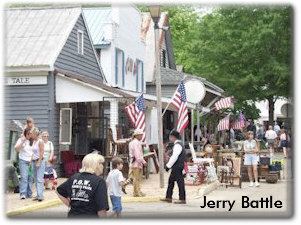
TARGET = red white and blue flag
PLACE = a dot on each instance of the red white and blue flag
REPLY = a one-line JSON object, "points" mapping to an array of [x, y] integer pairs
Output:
{"points": [[224, 124], [224, 103], [180, 102], [240, 123], [136, 113]]}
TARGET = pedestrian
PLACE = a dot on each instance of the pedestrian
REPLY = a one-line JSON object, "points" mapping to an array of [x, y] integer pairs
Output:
{"points": [[260, 132], [29, 123], [232, 137], [136, 162], [251, 126], [48, 156], [115, 182], [38, 163], [271, 136], [251, 158], [283, 141], [176, 164], [276, 128], [86, 192], [25, 153]]}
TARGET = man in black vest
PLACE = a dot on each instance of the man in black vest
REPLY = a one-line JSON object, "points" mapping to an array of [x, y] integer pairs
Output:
{"points": [[176, 164]]}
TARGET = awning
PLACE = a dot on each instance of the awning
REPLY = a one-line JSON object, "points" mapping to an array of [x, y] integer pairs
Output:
{"points": [[70, 90]]}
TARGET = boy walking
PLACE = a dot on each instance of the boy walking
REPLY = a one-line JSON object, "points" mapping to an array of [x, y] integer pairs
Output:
{"points": [[115, 182]]}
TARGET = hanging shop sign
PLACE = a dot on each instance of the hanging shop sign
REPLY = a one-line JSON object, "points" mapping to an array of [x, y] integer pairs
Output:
{"points": [[26, 80]]}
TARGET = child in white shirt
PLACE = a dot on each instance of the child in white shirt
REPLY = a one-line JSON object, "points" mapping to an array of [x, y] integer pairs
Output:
{"points": [[115, 182]]}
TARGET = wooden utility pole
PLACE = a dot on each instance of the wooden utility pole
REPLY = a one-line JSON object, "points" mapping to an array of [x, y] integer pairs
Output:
{"points": [[159, 106]]}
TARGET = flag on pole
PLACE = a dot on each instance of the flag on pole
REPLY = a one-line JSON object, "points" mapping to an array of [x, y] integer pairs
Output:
{"points": [[240, 123], [180, 102], [224, 124], [224, 103], [136, 113]]}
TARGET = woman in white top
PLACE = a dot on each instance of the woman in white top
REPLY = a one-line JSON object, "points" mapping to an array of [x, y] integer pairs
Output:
{"points": [[25, 154], [38, 163], [251, 158], [48, 155], [283, 141]]}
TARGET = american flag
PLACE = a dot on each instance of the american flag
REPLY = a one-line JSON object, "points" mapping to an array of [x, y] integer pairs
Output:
{"points": [[240, 123], [180, 102], [224, 103], [224, 124], [136, 113]]}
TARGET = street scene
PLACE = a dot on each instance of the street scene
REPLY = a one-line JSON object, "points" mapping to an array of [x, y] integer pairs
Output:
{"points": [[148, 111]]}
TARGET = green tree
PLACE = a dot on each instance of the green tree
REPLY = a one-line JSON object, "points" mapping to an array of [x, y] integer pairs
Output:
{"points": [[245, 50]]}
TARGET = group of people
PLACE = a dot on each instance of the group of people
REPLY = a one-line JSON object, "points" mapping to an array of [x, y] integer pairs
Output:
{"points": [[86, 193], [36, 155]]}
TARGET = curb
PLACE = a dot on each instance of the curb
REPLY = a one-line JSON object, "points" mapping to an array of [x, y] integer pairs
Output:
{"points": [[57, 202], [33, 207], [126, 199], [208, 188]]}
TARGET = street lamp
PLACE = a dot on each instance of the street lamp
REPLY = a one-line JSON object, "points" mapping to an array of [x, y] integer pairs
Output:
{"points": [[155, 14]]}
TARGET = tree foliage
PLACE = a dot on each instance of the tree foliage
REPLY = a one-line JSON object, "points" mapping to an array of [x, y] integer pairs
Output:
{"points": [[245, 50]]}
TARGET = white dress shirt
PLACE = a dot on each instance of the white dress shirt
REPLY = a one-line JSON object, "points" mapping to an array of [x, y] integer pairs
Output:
{"points": [[176, 151]]}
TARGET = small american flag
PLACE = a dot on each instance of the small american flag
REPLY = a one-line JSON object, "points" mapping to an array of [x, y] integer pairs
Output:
{"points": [[240, 123], [180, 102], [224, 124], [224, 103], [136, 113]]}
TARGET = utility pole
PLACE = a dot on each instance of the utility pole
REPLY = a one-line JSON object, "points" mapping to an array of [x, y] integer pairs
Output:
{"points": [[155, 14]]}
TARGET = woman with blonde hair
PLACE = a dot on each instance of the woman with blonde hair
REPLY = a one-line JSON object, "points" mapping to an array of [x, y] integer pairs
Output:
{"points": [[86, 192], [38, 163], [48, 156]]}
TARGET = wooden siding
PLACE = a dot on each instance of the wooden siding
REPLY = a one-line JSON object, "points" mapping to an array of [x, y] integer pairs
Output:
{"points": [[37, 101], [70, 60], [166, 90]]}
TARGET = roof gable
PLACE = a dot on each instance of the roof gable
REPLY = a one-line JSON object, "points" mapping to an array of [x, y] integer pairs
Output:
{"points": [[35, 37]]}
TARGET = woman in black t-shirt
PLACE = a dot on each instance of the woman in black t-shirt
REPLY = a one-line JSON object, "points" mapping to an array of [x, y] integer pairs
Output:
{"points": [[85, 192]]}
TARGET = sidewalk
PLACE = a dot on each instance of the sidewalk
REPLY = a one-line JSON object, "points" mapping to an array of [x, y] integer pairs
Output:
{"points": [[151, 187]]}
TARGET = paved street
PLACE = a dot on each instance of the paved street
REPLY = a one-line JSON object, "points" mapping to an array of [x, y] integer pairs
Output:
{"points": [[280, 191]]}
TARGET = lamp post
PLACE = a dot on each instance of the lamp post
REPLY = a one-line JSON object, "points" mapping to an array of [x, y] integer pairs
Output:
{"points": [[155, 14]]}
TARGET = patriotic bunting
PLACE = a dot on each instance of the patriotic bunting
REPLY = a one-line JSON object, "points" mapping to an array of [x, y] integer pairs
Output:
{"points": [[224, 124], [240, 123], [224, 103]]}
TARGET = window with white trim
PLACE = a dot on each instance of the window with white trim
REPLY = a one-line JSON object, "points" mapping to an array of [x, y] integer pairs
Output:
{"points": [[80, 42]]}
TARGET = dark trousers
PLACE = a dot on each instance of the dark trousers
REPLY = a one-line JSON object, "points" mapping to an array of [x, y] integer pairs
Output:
{"points": [[176, 175]]}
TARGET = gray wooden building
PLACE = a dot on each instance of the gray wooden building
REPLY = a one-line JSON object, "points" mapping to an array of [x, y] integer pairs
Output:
{"points": [[52, 74]]}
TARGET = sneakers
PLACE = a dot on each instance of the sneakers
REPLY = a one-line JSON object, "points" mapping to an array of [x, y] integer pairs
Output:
{"points": [[22, 197], [257, 184], [169, 200], [251, 184], [180, 202]]}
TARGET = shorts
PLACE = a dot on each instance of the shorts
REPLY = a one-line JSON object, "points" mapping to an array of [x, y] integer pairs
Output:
{"points": [[251, 159], [116, 202], [283, 144]]}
